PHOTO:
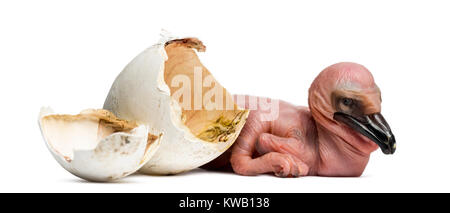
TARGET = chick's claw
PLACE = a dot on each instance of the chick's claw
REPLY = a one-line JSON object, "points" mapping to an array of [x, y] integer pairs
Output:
{"points": [[285, 165]]}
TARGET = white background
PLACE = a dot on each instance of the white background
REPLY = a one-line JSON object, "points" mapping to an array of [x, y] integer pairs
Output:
{"points": [[66, 54]]}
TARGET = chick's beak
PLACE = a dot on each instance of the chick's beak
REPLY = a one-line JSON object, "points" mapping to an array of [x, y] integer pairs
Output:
{"points": [[373, 126]]}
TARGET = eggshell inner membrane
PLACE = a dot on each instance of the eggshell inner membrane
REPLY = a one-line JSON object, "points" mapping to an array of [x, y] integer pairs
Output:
{"points": [[66, 133], [214, 124]]}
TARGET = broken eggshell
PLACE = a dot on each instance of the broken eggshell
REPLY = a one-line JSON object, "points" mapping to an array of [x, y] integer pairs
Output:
{"points": [[95, 145], [158, 86]]}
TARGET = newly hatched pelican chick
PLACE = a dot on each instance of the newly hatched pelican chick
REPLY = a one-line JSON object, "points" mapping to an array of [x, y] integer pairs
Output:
{"points": [[333, 137]]}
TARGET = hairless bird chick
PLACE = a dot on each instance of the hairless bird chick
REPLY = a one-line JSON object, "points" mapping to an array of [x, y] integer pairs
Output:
{"points": [[333, 137]]}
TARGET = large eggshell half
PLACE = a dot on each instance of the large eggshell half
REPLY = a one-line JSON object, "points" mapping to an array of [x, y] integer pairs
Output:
{"points": [[144, 91]]}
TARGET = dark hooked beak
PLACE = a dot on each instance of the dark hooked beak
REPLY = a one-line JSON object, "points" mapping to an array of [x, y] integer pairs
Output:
{"points": [[372, 126]]}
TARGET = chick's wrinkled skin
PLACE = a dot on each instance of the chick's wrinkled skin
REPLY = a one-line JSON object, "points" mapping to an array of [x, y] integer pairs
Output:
{"points": [[284, 146]]}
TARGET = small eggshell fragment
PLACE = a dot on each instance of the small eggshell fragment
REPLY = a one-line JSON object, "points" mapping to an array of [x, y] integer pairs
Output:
{"points": [[95, 145]]}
